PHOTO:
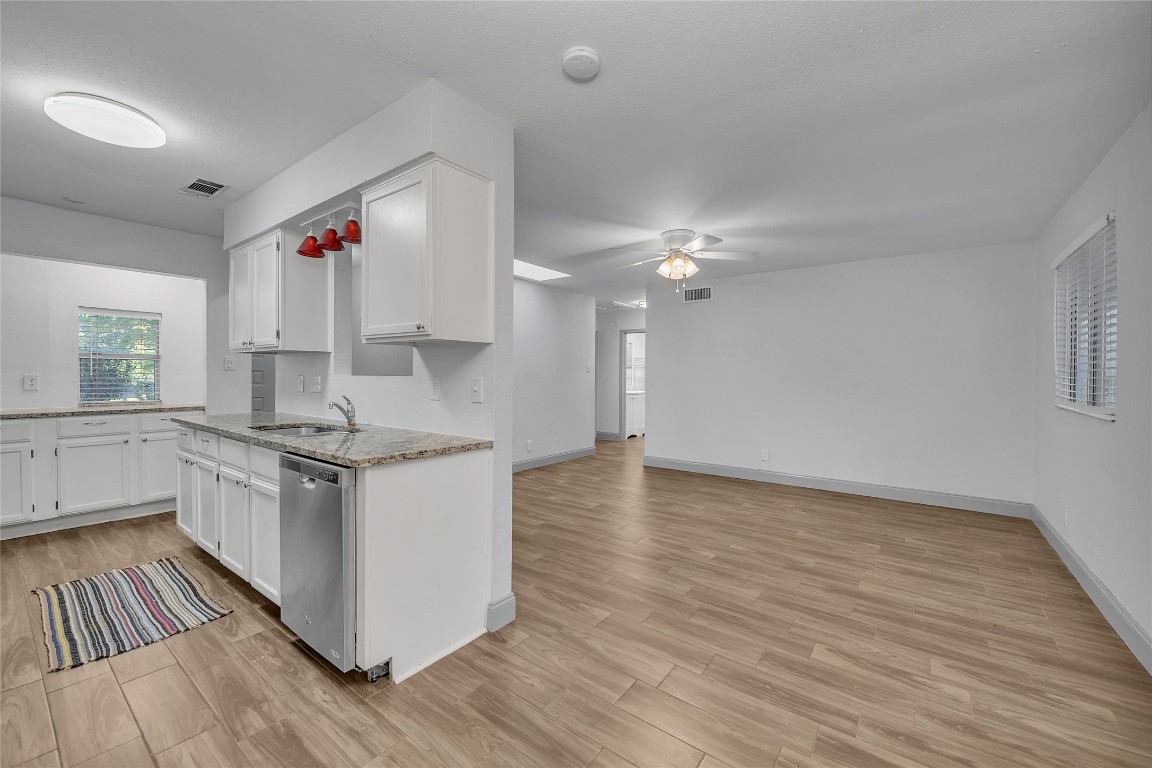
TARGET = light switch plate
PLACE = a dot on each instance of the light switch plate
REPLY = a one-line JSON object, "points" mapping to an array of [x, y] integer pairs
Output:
{"points": [[31, 382], [477, 389], [229, 363], [300, 384], [316, 385], [435, 388]]}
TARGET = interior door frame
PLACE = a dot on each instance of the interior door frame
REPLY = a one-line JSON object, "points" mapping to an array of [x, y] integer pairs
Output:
{"points": [[623, 378]]}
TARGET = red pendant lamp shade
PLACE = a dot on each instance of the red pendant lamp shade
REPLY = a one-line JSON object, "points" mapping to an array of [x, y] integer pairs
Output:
{"points": [[310, 247], [351, 230], [330, 241]]}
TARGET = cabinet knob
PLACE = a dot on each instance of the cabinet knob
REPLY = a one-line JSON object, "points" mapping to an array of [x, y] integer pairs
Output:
{"points": [[143, 439], [419, 326], [125, 441]]}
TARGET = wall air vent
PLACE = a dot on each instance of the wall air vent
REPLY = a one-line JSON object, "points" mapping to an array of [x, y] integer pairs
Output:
{"points": [[203, 188], [698, 294]]}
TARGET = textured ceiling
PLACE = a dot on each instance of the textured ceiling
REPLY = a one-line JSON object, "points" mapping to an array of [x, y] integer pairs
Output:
{"points": [[813, 132]]}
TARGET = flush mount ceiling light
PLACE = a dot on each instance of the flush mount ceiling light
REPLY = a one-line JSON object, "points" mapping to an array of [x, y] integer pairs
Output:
{"points": [[581, 63], [105, 120]]}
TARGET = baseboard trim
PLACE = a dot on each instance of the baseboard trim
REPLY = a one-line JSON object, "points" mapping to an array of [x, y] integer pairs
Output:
{"points": [[501, 612], [894, 493], [1134, 636], [609, 436], [556, 458], [64, 522]]}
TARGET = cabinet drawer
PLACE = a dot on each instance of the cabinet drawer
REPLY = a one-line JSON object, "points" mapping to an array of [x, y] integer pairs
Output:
{"points": [[265, 463], [234, 453], [15, 431], [162, 422], [84, 426], [208, 444], [186, 439]]}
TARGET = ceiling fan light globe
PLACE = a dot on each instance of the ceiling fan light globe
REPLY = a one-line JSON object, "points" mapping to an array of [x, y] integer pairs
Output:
{"points": [[690, 268], [665, 268]]}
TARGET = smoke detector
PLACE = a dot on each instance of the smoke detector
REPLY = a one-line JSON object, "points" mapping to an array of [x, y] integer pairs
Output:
{"points": [[581, 63]]}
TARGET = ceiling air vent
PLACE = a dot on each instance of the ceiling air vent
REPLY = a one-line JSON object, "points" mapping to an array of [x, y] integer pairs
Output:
{"points": [[203, 188], [698, 294]]}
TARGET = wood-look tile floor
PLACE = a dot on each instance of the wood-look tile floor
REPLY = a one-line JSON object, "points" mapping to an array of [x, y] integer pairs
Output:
{"points": [[665, 619]]}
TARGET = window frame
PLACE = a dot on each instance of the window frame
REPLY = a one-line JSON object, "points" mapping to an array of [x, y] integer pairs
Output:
{"points": [[1083, 334], [89, 356]]}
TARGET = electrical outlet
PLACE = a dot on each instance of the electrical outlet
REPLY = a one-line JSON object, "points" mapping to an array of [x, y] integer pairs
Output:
{"points": [[435, 388], [477, 389], [765, 454], [229, 363], [31, 382], [587, 367], [529, 446], [300, 384], [316, 385]]}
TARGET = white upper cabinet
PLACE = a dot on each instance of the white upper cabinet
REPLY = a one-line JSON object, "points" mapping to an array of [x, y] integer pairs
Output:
{"points": [[278, 299], [429, 257]]}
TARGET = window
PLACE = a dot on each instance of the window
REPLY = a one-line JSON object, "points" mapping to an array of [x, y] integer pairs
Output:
{"points": [[1085, 323], [119, 356]]}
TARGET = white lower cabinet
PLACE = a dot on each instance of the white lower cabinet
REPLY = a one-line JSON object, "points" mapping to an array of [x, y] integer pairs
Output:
{"points": [[16, 482], [264, 508], [207, 535], [93, 473], [186, 494], [157, 466], [233, 516]]}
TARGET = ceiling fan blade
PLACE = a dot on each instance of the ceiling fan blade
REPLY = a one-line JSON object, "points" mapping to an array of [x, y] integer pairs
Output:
{"points": [[703, 241], [637, 250], [661, 257], [727, 255]]}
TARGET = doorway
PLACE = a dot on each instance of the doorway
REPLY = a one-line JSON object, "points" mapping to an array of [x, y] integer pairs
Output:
{"points": [[633, 383]]}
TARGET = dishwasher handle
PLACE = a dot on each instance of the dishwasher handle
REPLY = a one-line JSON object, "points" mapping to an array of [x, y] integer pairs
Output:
{"points": [[307, 482]]}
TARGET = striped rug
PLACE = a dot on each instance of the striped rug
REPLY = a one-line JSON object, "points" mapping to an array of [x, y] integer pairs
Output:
{"points": [[114, 612]]}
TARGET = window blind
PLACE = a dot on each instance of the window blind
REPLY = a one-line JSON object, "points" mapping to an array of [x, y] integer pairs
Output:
{"points": [[119, 356], [1086, 323]]}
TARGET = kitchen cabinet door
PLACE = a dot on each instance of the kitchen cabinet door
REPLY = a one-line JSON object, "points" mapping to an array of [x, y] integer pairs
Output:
{"points": [[265, 276], [235, 547], [15, 482], [157, 474], [240, 300], [264, 504], [93, 473], [207, 534], [396, 284], [186, 494]]}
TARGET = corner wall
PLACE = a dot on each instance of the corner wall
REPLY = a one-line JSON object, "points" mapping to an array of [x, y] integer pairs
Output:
{"points": [[553, 352], [910, 372], [1093, 479], [48, 232], [609, 324]]}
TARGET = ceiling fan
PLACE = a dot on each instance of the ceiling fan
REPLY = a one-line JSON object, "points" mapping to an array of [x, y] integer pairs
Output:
{"points": [[681, 246]]}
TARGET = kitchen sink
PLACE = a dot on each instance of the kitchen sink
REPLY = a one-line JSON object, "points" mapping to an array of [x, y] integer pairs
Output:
{"points": [[302, 431]]}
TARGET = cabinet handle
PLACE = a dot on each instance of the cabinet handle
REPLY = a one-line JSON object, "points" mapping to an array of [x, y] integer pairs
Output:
{"points": [[95, 423], [205, 440], [143, 439], [125, 441], [419, 326]]}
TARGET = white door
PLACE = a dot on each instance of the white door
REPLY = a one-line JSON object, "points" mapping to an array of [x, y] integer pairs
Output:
{"points": [[157, 466], [186, 494], [396, 282], [235, 546], [240, 300], [206, 485], [266, 291], [15, 482], [94, 473], [264, 502]]}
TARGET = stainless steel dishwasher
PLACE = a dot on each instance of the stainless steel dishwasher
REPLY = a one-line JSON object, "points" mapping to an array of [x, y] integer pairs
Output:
{"points": [[318, 556]]}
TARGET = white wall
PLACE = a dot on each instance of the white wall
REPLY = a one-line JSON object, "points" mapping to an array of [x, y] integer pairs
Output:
{"points": [[609, 323], [55, 233], [911, 372], [1102, 472], [553, 353], [39, 303], [430, 119]]}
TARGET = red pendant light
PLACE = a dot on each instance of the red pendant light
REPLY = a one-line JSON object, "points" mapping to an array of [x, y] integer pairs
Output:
{"points": [[351, 230], [330, 241], [310, 247]]}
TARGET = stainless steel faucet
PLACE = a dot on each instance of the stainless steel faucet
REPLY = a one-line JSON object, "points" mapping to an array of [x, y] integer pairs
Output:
{"points": [[349, 412]]}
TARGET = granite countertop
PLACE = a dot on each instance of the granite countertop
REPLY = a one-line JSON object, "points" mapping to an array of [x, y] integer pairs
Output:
{"points": [[369, 445], [95, 410]]}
